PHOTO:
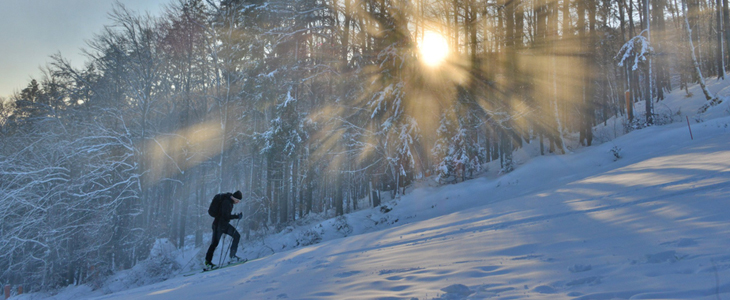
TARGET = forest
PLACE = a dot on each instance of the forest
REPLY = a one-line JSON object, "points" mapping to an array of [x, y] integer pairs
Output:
{"points": [[314, 107]]}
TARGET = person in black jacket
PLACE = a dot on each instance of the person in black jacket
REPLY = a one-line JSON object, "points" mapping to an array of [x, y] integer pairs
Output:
{"points": [[221, 225]]}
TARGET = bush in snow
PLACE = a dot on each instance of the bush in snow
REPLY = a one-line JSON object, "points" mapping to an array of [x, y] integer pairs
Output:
{"points": [[308, 237], [714, 102], [616, 151], [342, 226], [159, 266], [663, 114], [385, 208], [161, 261]]}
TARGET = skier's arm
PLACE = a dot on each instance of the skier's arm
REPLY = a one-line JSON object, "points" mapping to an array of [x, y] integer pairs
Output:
{"points": [[228, 211], [235, 216]]}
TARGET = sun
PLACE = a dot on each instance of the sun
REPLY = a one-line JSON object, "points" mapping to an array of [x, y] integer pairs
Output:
{"points": [[433, 48]]}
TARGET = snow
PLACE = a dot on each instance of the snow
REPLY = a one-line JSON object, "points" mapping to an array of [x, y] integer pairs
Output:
{"points": [[628, 50], [652, 224]]}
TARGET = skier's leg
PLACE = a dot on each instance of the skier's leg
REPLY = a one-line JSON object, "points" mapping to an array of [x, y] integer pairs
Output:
{"points": [[236, 238], [213, 244]]}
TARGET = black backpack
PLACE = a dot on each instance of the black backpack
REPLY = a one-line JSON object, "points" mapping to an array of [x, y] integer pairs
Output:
{"points": [[215, 206]]}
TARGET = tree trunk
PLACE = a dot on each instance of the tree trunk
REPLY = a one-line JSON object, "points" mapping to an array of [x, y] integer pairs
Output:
{"points": [[726, 27], [708, 95], [346, 35], [339, 199], [662, 81], [284, 194], [648, 99], [624, 75], [567, 23], [720, 53]]}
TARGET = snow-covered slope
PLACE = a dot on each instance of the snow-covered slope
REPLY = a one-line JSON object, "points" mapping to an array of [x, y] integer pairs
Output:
{"points": [[653, 224]]}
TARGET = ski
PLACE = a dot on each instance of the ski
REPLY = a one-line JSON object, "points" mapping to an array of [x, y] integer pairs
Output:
{"points": [[226, 266], [219, 267]]}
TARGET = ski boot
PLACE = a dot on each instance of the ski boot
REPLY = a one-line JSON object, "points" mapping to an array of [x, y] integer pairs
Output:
{"points": [[235, 260], [209, 266]]}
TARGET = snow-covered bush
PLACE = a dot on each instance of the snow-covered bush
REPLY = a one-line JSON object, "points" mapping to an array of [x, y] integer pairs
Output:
{"points": [[616, 151], [342, 226], [714, 102], [385, 208], [308, 237], [161, 261], [159, 266], [664, 115]]}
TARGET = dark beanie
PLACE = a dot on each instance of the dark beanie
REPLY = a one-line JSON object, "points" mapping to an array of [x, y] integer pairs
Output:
{"points": [[238, 195]]}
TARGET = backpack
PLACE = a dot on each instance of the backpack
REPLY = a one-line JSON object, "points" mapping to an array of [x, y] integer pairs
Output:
{"points": [[215, 206]]}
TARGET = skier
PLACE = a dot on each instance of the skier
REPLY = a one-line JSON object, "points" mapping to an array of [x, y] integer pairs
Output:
{"points": [[221, 225]]}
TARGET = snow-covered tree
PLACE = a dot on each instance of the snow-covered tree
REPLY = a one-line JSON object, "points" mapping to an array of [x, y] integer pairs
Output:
{"points": [[456, 156]]}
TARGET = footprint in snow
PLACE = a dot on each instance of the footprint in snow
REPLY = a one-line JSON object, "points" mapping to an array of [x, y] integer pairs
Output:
{"points": [[320, 264], [455, 292], [662, 257], [544, 289], [683, 242], [347, 274], [579, 268], [404, 270], [480, 272], [593, 280]]}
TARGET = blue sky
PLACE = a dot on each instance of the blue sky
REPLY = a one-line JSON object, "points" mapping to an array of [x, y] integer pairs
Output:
{"points": [[33, 30]]}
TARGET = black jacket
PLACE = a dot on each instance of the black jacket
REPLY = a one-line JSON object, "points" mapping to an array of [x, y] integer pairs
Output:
{"points": [[226, 209]]}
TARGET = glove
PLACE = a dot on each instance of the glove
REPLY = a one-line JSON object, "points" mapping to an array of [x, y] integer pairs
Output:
{"points": [[239, 215]]}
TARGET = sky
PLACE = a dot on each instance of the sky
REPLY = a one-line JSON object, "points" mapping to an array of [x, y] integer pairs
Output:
{"points": [[33, 30]]}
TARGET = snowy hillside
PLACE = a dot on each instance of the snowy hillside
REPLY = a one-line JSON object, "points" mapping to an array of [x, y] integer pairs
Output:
{"points": [[652, 224]]}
